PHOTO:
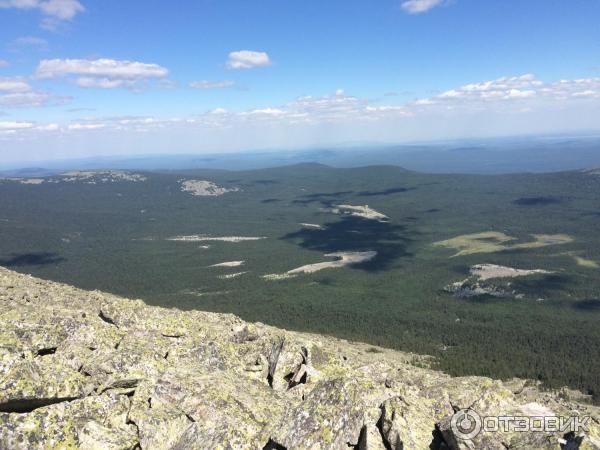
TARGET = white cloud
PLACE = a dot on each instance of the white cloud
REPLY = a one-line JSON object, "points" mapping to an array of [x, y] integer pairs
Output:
{"points": [[13, 85], [15, 125], [85, 126], [15, 92], [420, 6], [54, 11], [515, 104], [205, 84], [3, 63], [386, 109], [264, 112], [502, 91], [102, 83], [32, 99], [100, 73], [516, 93], [247, 59], [61, 9], [110, 68], [218, 111], [48, 127], [586, 94]]}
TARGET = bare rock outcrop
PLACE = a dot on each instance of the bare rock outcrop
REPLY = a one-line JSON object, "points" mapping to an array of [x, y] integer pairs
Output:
{"points": [[90, 370]]}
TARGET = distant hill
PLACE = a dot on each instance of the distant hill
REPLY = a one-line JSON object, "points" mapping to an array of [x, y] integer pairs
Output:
{"points": [[489, 156]]}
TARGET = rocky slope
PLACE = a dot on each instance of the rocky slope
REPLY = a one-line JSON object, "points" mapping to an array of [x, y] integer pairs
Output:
{"points": [[91, 370]]}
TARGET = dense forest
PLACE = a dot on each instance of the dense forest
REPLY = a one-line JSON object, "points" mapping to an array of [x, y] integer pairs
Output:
{"points": [[124, 237]]}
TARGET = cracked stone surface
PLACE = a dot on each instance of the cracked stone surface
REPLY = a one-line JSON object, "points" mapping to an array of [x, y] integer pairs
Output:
{"points": [[90, 370]]}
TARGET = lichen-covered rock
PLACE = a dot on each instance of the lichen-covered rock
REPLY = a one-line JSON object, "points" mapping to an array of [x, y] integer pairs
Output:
{"points": [[220, 409], [331, 416], [96, 422], [408, 422], [94, 371]]}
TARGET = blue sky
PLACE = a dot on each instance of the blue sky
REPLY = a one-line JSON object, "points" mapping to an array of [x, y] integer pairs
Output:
{"points": [[83, 77]]}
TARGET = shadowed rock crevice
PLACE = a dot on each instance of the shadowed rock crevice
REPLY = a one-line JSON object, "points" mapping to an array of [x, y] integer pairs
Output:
{"points": [[300, 375], [362, 443], [272, 445], [46, 351], [106, 319], [438, 442], [571, 441], [384, 433], [22, 406], [276, 349]]}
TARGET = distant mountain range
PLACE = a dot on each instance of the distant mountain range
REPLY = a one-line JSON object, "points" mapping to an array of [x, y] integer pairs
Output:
{"points": [[491, 156]]}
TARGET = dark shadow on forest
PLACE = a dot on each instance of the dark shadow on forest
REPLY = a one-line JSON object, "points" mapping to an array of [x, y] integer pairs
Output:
{"points": [[325, 281], [326, 198], [390, 191], [487, 299], [460, 269], [32, 259], [545, 282], [590, 304], [591, 213], [265, 182], [536, 201], [356, 234]]}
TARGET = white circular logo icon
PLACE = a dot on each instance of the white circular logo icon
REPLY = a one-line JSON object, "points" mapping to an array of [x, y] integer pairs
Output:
{"points": [[466, 424]]}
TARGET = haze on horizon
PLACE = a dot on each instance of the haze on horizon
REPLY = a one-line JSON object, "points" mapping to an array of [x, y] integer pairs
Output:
{"points": [[83, 78]]}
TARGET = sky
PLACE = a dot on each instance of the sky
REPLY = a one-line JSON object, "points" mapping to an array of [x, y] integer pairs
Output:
{"points": [[82, 78]]}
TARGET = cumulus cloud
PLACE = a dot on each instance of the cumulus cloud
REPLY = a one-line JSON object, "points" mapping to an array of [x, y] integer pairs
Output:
{"points": [[21, 99], [33, 99], [110, 68], [205, 84], [507, 90], [100, 73], [55, 11], [13, 85], [102, 83], [61, 9], [15, 92], [420, 6], [247, 59], [499, 98]]}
